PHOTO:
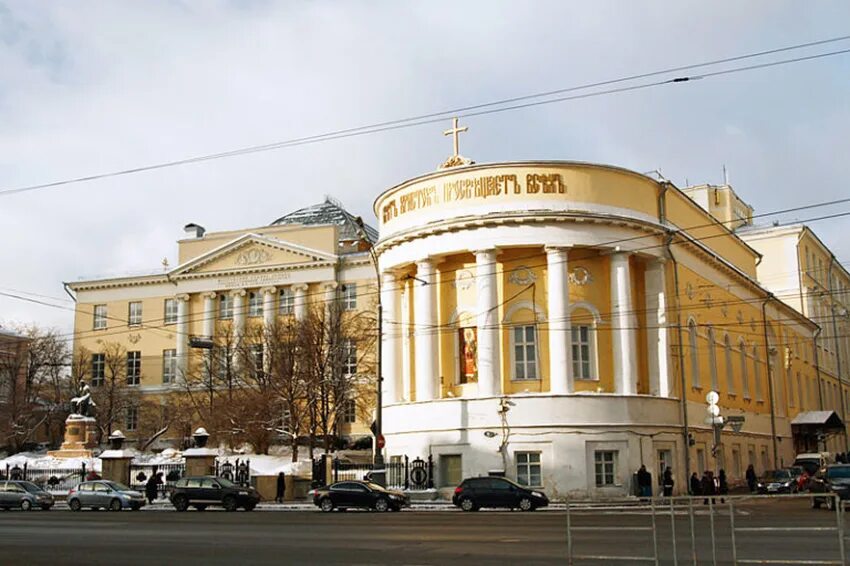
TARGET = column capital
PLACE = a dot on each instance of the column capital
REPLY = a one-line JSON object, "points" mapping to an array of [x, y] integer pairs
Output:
{"points": [[238, 293], [268, 290], [300, 287], [494, 251], [182, 297], [209, 295], [330, 285], [618, 254], [556, 249]]}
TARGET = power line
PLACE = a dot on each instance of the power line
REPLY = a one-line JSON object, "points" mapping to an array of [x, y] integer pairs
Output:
{"points": [[469, 111]]}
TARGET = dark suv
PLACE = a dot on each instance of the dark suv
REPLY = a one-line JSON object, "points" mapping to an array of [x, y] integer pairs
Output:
{"points": [[830, 481], [474, 493], [203, 491]]}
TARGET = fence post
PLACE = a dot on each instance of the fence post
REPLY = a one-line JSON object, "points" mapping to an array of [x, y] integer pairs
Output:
{"points": [[430, 471], [711, 523], [693, 536], [26, 477], [569, 536], [83, 472], [654, 531], [673, 532], [406, 472], [732, 530], [839, 527]]}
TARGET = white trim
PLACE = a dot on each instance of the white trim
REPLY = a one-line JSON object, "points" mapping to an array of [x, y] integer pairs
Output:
{"points": [[540, 314]]}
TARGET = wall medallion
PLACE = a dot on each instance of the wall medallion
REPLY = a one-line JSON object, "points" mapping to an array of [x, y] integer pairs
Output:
{"points": [[739, 317], [252, 256], [522, 275], [134, 338], [689, 290], [724, 309], [464, 279], [580, 276]]}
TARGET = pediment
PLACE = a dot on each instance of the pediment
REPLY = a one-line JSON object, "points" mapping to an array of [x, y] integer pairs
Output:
{"points": [[249, 252]]}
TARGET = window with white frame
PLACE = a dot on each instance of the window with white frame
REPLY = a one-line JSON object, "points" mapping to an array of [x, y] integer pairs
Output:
{"points": [[349, 357], [134, 368], [287, 301], [605, 462], [745, 378], [524, 340], [528, 469], [757, 372], [132, 418], [255, 304], [349, 296], [257, 359], [170, 311], [349, 411], [134, 313], [730, 369], [169, 366], [712, 360], [225, 307], [222, 361], [99, 322], [98, 369], [694, 353], [584, 354]]}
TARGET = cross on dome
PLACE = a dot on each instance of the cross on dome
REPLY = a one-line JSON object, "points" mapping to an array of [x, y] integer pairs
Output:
{"points": [[456, 160]]}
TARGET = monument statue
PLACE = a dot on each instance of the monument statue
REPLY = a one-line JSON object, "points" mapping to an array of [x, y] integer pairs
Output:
{"points": [[83, 403]]}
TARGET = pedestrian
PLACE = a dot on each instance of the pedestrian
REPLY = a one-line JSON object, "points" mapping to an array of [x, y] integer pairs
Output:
{"points": [[722, 485], [151, 489], [644, 479], [751, 478], [707, 486], [695, 485], [281, 488], [668, 482]]}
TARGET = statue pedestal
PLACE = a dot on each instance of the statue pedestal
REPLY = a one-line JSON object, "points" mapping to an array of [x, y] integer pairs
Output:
{"points": [[80, 438], [200, 461]]}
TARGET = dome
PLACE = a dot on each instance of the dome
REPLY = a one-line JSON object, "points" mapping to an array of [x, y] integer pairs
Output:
{"points": [[328, 212]]}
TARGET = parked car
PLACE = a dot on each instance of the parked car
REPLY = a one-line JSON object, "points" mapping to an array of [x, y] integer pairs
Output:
{"points": [[475, 493], [777, 481], [23, 495], [104, 494], [202, 491], [358, 494], [812, 461], [834, 479]]}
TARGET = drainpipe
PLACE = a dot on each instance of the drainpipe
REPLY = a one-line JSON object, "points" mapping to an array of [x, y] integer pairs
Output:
{"points": [[837, 348], [683, 401], [817, 370], [769, 379]]}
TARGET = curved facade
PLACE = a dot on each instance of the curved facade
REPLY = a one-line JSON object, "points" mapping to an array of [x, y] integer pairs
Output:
{"points": [[530, 325]]}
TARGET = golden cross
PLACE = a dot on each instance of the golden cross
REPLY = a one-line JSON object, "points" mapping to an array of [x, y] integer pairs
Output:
{"points": [[454, 132]]}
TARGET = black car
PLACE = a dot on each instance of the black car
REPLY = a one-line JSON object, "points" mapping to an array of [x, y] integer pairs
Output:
{"points": [[203, 491], [475, 493], [777, 481], [358, 494], [833, 479]]}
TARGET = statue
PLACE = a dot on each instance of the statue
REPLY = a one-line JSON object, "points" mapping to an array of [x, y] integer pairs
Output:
{"points": [[82, 404]]}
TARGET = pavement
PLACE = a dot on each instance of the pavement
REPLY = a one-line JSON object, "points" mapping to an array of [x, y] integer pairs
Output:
{"points": [[436, 537]]}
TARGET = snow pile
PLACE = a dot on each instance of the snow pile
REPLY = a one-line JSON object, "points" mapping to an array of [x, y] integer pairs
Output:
{"points": [[41, 461], [266, 465]]}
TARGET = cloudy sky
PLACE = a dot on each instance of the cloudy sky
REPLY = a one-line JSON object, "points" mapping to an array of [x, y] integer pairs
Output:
{"points": [[93, 87]]}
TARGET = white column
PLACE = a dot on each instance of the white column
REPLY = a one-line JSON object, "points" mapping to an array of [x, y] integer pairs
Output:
{"points": [[558, 288], [656, 329], [330, 294], [300, 306], [406, 393], [623, 323], [389, 337], [425, 335], [209, 314], [269, 312], [487, 321], [182, 348], [238, 314]]}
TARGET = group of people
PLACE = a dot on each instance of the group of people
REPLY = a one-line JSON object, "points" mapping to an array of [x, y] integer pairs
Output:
{"points": [[709, 485], [644, 482]]}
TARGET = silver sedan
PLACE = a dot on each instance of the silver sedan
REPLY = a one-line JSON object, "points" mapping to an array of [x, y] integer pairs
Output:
{"points": [[23, 495], [103, 494]]}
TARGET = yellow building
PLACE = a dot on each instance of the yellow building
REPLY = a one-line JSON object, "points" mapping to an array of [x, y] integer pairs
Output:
{"points": [[227, 284]]}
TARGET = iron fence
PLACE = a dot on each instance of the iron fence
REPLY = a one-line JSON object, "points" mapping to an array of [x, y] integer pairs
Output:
{"points": [[140, 473], [401, 472], [52, 479]]}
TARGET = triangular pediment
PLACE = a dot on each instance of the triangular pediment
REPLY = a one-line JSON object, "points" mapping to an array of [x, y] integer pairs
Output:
{"points": [[252, 251]]}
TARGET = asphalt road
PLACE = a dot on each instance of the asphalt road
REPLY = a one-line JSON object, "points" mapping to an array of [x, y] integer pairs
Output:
{"points": [[306, 537]]}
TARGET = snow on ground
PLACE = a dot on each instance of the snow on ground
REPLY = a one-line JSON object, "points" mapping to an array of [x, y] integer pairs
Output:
{"points": [[41, 461]]}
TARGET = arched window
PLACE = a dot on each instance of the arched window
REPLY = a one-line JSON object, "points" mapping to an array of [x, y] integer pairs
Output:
{"points": [[692, 344], [730, 372], [583, 344], [757, 372], [521, 318], [712, 359], [745, 378]]}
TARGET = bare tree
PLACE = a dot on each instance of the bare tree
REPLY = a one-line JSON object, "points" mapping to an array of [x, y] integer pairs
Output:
{"points": [[113, 396]]}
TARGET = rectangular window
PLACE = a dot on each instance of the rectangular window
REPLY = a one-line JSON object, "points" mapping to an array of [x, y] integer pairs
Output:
{"points": [[134, 368], [134, 314], [169, 366], [170, 311], [132, 418], [349, 411], [287, 301], [349, 357], [528, 470], [255, 304], [605, 462], [349, 296], [99, 317], [736, 461], [525, 352], [98, 369], [222, 362], [582, 352], [257, 359], [225, 307]]}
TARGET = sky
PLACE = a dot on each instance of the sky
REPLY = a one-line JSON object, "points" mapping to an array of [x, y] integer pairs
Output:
{"points": [[94, 87]]}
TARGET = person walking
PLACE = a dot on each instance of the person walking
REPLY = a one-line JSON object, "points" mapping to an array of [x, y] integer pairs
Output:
{"points": [[696, 488], [722, 485], [668, 482], [281, 488], [644, 479], [751, 478], [151, 489], [707, 486]]}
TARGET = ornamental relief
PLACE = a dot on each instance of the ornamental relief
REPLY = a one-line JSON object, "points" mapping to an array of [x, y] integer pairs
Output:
{"points": [[581, 276], [252, 256], [522, 275], [463, 279]]}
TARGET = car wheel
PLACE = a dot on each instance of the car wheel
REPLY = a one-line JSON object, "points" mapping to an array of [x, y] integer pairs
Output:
{"points": [[467, 504], [75, 505], [115, 505], [200, 507], [326, 505], [181, 503], [525, 504], [26, 505], [229, 503], [382, 505], [250, 506]]}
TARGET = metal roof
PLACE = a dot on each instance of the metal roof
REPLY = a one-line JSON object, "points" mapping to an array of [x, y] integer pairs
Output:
{"points": [[329, 212], [820, 418]]}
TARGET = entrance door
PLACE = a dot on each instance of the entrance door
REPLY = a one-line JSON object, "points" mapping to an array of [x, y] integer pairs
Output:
{"points": [[451, 473], [664, 460]]}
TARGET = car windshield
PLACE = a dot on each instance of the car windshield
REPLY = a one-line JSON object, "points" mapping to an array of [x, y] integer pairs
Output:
{"points": [[117, 486], [838, 472], [776, 475], [226, 483], [30, 487]]}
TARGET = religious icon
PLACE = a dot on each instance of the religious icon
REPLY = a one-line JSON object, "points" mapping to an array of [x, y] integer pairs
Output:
{"points": [[468, 354]]}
